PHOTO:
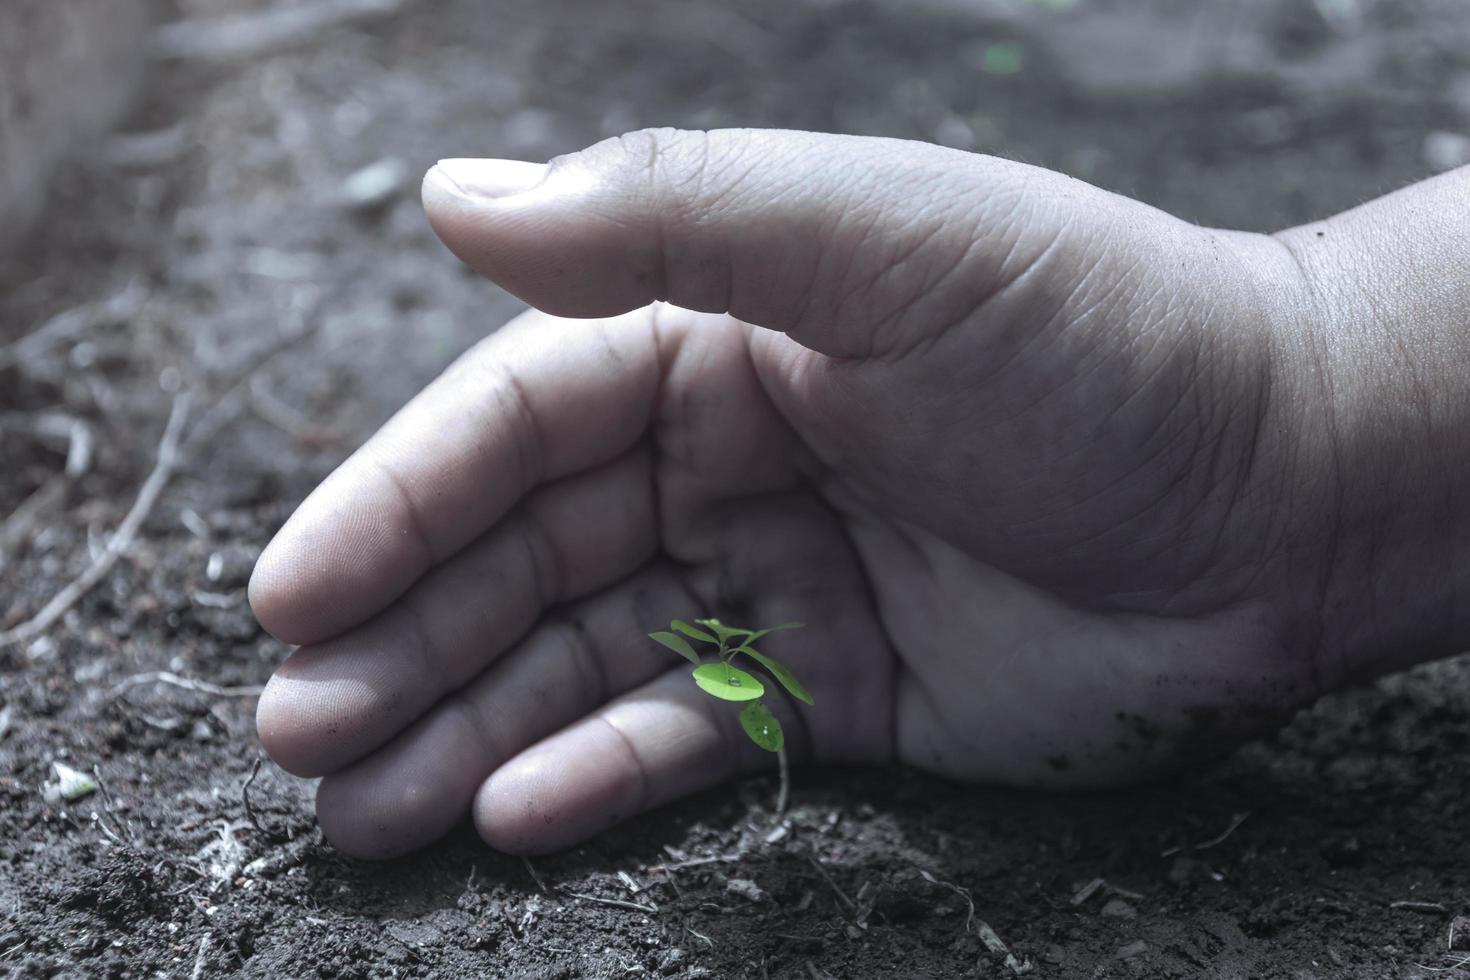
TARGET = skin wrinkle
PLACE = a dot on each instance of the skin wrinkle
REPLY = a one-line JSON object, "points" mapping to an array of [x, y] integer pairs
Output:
{"points": [[903, 310], [857, 197], [422, 643], [415, 525], [661, 148], [1157, 340], [1267, 409], [1110, 293], [480, 730], [791, 713], [729, 256], [925, 339], [1143, 388], [1196, 433], [585, 662], [1044, 518], [800, 319], [1233, 478], [860, 231], [1187, 388], [542, 560], [1117, 522], [667, 343], [432, 647], [850, 538], [908, 243], [1226, 466], [1186, 521], [823, 278], [1420, 404], [1030, 268], [1330, 550], [630, 750], [915, 682], [1022, 354], [531, 653], [526, 433]]}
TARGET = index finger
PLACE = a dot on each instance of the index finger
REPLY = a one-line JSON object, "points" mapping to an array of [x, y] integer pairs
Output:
{"points": [[538, 400]]}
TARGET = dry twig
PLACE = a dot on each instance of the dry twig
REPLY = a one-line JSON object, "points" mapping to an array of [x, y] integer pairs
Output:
{"points": [[695, 863], [851, 905], [1454, 965], [1429, 908], [108, 806], [616, 903], [245, 36], [79, 441], [535, 875], [1220, 838], [236, 389], [17, 527], [173, 445], [1092, 887], [120, 306], [187, 683], [289, 419], [58, 429], [250, 809], [988, 936], [121, 540]]}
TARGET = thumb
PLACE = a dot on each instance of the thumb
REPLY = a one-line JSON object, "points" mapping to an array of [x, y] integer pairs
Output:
{"points": [[853, 245]]}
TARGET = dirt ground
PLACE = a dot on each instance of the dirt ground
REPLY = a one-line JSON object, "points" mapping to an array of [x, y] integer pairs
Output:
{"points": [[216, 247]]}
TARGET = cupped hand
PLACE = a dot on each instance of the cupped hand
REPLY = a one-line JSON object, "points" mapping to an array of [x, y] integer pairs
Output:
{"points": [[1035, 463]]}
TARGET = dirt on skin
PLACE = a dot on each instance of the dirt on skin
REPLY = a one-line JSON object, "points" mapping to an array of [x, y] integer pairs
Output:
{"points": [[210, 248]]}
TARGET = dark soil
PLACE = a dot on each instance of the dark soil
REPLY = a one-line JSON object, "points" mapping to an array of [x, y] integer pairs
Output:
{"points": [[301, 323]]}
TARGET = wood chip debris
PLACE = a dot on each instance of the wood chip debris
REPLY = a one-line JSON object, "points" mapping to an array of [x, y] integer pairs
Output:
{"points": [[747, 889], [70, 784]]}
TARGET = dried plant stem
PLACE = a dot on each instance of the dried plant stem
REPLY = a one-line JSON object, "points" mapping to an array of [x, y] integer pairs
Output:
{"points": [[122, 539], [784, 793], [187, 684]]}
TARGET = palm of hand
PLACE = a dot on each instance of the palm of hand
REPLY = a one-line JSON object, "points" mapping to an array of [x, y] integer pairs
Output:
{"points": [[998, 633]]}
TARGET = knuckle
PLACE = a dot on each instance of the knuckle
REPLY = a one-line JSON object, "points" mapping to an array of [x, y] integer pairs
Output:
{"points": [[651, 158]]}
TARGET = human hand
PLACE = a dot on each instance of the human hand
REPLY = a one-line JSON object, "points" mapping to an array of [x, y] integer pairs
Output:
{"points": [[1039, 466]]}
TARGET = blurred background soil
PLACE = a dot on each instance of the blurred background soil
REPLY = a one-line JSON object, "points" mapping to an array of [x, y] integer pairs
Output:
{"points": [[251, 236]]}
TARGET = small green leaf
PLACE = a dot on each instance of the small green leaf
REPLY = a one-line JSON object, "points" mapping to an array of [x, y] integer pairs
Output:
{"points": [[728, 683], [693, 631], [784, 626], [677, 644], [724, 632], [762, 727], [780, 672]]}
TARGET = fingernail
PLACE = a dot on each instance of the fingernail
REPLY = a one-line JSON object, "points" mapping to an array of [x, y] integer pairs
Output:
{"points": [[490, 178]]}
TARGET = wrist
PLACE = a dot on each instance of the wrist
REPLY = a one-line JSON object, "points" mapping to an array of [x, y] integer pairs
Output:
{"points": [[1376, 336]]}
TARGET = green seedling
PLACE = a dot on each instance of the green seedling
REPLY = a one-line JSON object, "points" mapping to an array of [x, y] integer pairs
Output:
{"points": [[720, 678]]}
